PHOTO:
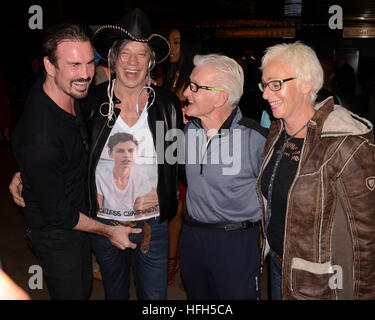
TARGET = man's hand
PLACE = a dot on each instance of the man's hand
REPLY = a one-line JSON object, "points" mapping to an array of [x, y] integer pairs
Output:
{"points": [[15, 189], [119, 236]]}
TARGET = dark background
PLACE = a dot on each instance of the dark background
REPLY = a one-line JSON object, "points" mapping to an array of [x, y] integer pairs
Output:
{"points": [[309, 18]]}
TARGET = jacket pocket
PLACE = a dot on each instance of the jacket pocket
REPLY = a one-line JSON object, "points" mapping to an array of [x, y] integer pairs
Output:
{"points": [[311, 280]]}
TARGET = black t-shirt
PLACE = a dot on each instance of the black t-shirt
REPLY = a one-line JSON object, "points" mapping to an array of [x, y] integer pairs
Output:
{"points": [[283, 179], [49, 148]]}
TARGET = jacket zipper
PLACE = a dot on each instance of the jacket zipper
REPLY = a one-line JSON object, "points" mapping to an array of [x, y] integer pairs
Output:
{"points": [[206, 148], [287, 203], [203, 154], [339, 195]]}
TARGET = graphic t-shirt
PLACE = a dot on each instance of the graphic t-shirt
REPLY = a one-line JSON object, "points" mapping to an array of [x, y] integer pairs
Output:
{"points": [[126, 174]]}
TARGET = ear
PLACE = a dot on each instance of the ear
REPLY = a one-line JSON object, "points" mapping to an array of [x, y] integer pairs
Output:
{"points": [[221, 98], [50, 68], [306, 87]]}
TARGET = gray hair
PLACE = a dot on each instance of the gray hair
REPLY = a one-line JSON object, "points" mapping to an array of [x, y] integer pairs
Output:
{"points": [[113, 54], [302, 59], [231, 76], [116, 49]]}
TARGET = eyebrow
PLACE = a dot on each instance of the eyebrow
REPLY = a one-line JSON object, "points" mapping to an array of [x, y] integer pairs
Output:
{"points": [[270, 79], [140, 51], [76, 62]]}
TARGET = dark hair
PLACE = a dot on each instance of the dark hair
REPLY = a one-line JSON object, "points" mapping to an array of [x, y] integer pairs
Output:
{"points": [[61, 32], [190, 45], [120, 137]]}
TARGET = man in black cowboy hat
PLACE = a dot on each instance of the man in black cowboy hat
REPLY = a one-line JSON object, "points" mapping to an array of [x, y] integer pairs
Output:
{"points": [[128, 104], [49, 146]]}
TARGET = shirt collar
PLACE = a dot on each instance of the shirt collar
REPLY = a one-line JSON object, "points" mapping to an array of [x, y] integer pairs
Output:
{"points": [[226, 125]]}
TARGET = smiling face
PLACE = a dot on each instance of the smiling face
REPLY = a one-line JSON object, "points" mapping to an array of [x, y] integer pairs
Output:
{"points": [[75, 68], [174, 40], [201, 103], [132, 64], [123, 154], [285, 102]]}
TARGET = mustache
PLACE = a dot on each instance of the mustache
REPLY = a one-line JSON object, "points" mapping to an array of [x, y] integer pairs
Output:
{"points": [[81, 80]]}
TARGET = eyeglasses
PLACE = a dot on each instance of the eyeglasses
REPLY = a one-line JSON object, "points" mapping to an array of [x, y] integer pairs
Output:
{"points": [[195, 87], [274, 85]]}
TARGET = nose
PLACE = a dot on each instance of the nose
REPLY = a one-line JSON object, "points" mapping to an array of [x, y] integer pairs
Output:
{"points": [[266, 93], [87, 71], [187, 92], [91, 70], [128, 154], [132, 59]]}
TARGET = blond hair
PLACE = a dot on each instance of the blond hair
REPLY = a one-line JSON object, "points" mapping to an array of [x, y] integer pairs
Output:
{"points": [[302, 59]]}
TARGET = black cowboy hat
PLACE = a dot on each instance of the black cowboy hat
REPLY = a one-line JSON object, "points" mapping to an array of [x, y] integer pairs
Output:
{"points": [[133, 26]]}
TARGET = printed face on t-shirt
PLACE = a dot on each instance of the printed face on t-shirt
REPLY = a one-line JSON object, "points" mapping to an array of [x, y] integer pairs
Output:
{"points": [[126, 174], [123, 154]]}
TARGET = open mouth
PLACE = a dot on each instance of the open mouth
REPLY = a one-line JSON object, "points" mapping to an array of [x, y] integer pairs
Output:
{"points": [[275, 104], [131, 73], [187, 104], [81, 85], [188, 107]]}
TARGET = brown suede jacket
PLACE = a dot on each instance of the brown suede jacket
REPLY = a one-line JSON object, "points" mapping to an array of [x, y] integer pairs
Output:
{"points": [[329, 242]]}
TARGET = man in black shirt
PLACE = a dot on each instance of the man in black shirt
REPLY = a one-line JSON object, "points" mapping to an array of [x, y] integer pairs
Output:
{"points": [[50, 149]]}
